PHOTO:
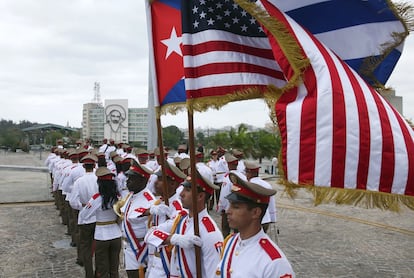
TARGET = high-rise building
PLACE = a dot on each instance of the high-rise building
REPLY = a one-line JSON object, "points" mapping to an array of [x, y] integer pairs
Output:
{"points": [[115, 120], [93, 121]]}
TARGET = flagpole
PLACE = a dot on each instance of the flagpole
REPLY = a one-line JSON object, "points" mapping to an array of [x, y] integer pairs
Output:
{"points": [[165, 193], [194, 186]]}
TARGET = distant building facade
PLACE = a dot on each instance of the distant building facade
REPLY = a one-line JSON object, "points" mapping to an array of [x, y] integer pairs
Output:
{"points": [[395, 101], [115, 120]]}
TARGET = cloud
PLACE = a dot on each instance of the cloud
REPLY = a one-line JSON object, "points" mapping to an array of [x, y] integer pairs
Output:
{"points": [[52, 52]]}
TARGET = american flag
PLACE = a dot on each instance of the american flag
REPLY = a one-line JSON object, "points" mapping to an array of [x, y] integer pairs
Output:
{"points": [[225, 51], [355, 30], [337, 131]]}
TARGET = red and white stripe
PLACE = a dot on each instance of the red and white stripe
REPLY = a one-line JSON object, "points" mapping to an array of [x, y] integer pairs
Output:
{"points": [[336, 130], [218, 63]]}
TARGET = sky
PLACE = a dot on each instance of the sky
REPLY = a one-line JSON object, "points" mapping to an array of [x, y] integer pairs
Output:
{"points": [[53, 51]]}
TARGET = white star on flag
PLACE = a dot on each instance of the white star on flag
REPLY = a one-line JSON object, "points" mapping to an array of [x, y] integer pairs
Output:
{"points": [[173, 44]]}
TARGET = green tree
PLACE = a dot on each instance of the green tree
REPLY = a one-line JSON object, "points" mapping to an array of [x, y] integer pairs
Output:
{"points": [[219, 139], [11, 138], [201, 138], [266, 145], [241, 140], [52, 136], [172, 136]]}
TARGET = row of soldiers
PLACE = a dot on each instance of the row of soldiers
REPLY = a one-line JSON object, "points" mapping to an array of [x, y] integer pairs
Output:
{"points": [[117, 201]]}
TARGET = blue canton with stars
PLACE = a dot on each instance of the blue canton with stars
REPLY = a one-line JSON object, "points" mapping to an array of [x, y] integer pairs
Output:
{"points": [[225, 15]]}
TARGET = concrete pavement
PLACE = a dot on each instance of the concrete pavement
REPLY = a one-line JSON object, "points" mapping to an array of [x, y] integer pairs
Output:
{"points": [[323, 241]]}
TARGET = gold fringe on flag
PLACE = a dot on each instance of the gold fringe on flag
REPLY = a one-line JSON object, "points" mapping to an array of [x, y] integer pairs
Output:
{"points": [[216, 102], [355, 197], [172, 108], [404, 12]]}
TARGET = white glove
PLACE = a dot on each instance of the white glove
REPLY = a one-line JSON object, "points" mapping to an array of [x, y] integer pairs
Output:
{"points": [[160, 209], [185, 241]]}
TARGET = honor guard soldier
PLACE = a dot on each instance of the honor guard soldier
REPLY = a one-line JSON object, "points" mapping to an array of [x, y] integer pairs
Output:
{"points": [[182, 151], [120, 149], [223, 204], [110, 164], [135, 213], [121, 178], [180, 233], [107, 232], [83, 190], [212, 163], [74, 172], [240, 166], [142, 156], [127, 151], [151, 163], [185, 164], [104, 146], [250, 252], [61, 168], [78, 144], [159, 257], [252, 175], [221, 170], [59, 143], [111, 148]]}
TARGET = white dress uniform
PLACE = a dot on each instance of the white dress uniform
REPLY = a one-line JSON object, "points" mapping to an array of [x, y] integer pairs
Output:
{"points": [[59, 173], [111, 166], [103, 148], [108, 152], [241, 167], [221, 169], [152, 164], [49, 159], [255, 257], [212, 164], [151, 182], [223, 203], [110, 230], [183, 262], [120, 152], [74, 172], [51, 163], [83, 190], [121, 185], [158, 260], [270, 215], [134, 228]]}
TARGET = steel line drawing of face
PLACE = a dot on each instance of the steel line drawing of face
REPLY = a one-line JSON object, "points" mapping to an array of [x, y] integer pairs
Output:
{"points": [[115, 116]]}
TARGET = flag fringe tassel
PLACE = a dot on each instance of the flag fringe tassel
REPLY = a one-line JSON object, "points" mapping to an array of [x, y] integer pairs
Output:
{"points": [[404, 12], [216, 102], [172, 108], [356, 197]]}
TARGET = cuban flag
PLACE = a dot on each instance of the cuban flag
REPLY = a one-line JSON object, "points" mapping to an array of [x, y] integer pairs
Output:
{"points": [[368, 35], [166, 58]]}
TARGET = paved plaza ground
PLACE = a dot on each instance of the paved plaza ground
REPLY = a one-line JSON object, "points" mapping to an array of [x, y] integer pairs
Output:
{"points": [[323, 241]]}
